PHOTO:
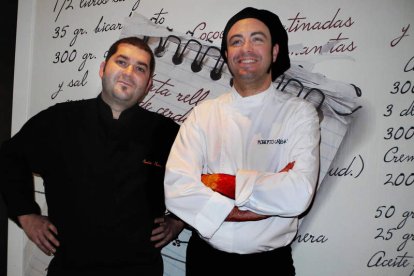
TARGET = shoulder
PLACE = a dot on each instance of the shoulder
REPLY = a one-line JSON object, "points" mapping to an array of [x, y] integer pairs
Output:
{"points": [[57, 110], [74, 105], [69, 107], [210, 105], [62, 115], [160, 122], [294, 103]]}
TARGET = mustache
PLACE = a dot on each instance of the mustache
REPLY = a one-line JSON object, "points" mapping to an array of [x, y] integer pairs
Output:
{"points": [[126, 79]]}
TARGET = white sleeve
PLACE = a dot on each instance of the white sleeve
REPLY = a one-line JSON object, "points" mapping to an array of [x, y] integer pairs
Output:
{"points": [[288, 193], [185, 195]]}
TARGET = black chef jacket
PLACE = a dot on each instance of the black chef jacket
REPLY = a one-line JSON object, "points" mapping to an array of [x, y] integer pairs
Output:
{"points": [[103, 180]]}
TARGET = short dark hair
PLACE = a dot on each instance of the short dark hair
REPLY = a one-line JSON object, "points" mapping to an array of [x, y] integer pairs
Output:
{"points": [[137, 42]]}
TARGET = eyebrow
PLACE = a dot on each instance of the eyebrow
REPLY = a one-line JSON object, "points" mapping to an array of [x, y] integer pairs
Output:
{"points": [[252, 34], [137, 63], [259, 33]]}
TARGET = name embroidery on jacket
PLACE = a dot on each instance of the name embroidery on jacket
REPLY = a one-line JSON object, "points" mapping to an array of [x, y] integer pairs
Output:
{"points": [[151, 163], [272, 141]]}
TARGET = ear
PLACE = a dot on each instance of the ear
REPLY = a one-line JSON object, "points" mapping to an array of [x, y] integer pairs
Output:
{"points": [[149, 85], [275, 51], [102, 69]]}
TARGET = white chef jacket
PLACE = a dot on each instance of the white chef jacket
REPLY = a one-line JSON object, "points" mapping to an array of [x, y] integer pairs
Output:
{"points": [[252, 138]]}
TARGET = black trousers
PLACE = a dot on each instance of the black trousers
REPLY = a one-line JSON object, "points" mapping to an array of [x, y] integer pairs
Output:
{"points": [[202, 259], [57, 269]]}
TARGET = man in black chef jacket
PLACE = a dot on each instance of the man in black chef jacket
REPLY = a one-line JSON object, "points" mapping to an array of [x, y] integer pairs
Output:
{"points": [[102, 162]]}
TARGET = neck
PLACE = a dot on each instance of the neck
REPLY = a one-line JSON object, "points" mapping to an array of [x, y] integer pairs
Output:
{"points": [[116, 113], [246, 89], [116, 107]]}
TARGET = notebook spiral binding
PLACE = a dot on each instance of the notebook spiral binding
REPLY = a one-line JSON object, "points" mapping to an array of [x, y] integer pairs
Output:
{"points": [[216, 71], [314, 92], [197, 64]]}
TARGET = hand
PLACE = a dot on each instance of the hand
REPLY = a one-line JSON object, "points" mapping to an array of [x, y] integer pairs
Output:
{"points": [[168, 229], [238, 215], [40, 231], [224, 184], [288, 167]]}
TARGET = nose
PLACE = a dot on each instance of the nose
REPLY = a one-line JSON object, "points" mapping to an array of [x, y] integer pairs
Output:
{"points": [[247, 46], [129, 69]]}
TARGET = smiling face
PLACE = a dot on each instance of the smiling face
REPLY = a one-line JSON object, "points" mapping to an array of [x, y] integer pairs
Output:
{"points": [[126, 77], [250, 54]]}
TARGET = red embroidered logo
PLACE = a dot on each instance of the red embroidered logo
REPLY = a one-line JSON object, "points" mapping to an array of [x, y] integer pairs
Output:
{"points": [[151, 163]]}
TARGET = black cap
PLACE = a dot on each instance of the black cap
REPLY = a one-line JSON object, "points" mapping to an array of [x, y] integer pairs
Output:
{"points": [[277, 31]]}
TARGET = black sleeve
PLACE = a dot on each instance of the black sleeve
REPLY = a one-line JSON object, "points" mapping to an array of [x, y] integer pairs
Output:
{"points": [[163, 138], [21, 156]]}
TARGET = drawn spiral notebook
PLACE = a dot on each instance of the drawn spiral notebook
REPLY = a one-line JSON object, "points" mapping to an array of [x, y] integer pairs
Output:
{"points": [[189, 71]]}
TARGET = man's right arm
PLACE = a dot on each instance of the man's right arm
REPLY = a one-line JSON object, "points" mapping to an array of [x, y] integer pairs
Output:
{"points": [[16, 180], [19, 158], [40, 231], [27, 152], [237, 215], [226, 184]]}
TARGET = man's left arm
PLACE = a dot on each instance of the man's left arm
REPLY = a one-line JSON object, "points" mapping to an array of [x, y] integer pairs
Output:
{"points": [[167, 228]]}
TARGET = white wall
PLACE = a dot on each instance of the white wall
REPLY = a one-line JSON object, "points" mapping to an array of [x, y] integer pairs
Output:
{"points": [[362, 224]]}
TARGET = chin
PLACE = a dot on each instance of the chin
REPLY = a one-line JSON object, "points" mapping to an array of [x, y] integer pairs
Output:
{"points": [[121, 95], [247, 76]]}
